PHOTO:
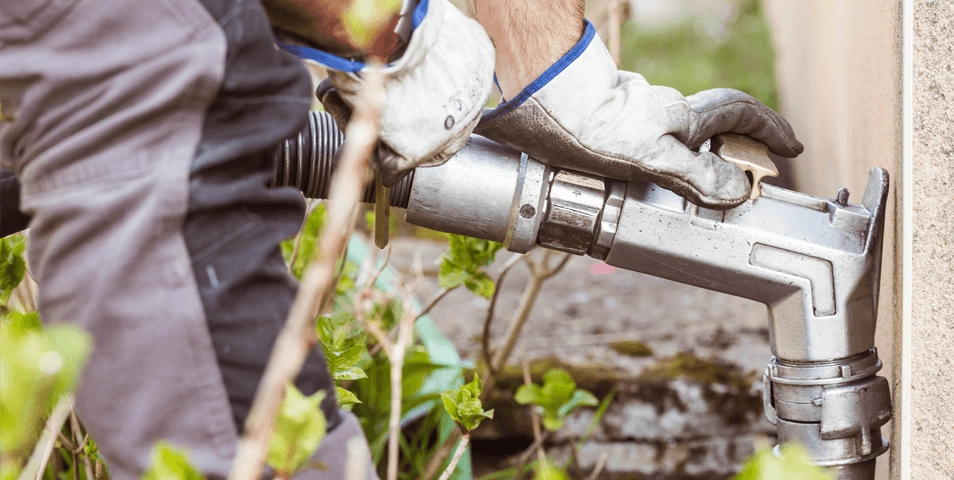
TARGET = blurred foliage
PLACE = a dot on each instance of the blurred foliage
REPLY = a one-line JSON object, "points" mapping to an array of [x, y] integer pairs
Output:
{"points": [[363, 19], [299, 428], [688, 58], [557, 398], [37, 367], [792, 464], [170, 463]]}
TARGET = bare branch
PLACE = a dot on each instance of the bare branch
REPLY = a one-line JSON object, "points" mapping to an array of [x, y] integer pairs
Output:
{"points": [[461, 448], [404, 340], [297, 336], [434, 464], [44, 446], [534, 416], [599, 466], [488, 320], [437, 298]]}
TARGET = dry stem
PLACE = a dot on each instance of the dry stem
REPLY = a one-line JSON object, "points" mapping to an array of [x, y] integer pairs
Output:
{"points": [[396, 355], [434, 464], [599, 466], [534, 417], [297, 336], [539, 273], [461, 448], [488, 321], [44, 446]]}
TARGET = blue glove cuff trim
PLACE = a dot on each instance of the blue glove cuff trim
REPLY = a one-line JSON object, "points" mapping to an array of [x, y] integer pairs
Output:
{"points": [[342, 64], [510, 105], [419, 11], [326, 59]]}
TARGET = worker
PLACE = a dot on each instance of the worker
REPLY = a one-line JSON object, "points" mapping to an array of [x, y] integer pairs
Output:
{"points": [[138, 130]]}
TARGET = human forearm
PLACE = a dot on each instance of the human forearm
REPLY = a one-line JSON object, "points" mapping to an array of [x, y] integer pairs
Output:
{"points": [[529, 36]]}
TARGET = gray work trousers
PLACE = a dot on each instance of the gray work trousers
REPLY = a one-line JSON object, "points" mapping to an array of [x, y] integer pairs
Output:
{"points": [[138, 131]]}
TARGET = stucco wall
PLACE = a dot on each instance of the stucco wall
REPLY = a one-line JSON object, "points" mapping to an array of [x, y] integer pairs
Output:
{"points": [[839, 75], [931, 324]]}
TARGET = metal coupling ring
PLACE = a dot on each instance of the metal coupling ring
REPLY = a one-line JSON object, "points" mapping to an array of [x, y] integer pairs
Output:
{"points": [[609, 220], [573, 212]]}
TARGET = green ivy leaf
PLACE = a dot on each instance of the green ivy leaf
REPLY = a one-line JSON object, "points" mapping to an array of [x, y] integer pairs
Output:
{"points": [[170, 463], [299, 429], [464, 407], [463, 262], [12, 265], [794, 462], [346, 399], [558, 397]]}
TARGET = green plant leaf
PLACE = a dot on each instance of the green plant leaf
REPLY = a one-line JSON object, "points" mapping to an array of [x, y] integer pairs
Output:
{"points": [[344, 345], [299, 429], [346, 399], [463, 262], [307, 239], [364, 18], [170, 463], [549, 471], [12, 265], [558, 397], [793, 463], [464, 407], [37, 367], [480, 284]]}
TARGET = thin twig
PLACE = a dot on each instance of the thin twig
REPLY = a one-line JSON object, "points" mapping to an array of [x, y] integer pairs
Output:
{"points": [[297, 336], [441, 454], [396, 355], [534, 417], [613, 26], [81, 444], [461, 448], [44, 446], [525, 456], [437, 298], [488, 320], [539, 273], [599, 466], [381, 268]]}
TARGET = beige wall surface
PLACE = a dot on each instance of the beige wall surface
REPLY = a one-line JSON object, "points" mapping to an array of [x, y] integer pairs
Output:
{"points": [[839, 72], [839, 76], [931, 323]]}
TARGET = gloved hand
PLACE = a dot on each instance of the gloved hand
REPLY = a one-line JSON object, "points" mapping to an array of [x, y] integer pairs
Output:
{"points": [[582, 113], [436, 90]]}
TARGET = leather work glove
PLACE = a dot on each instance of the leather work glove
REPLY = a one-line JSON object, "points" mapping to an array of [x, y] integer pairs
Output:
{"points": [[582, 113], [436, 89]]}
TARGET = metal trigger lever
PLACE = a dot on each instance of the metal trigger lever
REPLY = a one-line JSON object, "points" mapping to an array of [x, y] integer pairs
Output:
{"points": [[746, 153]]}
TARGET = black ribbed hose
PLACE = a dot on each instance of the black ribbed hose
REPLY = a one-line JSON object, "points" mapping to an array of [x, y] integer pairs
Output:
{"points": [[307, 160]]}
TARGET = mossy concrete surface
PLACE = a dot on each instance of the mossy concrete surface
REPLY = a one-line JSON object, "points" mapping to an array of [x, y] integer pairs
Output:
{"points": [[687, 405]]}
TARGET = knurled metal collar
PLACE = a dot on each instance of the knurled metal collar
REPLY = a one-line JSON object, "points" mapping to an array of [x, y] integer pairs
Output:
{"points": [[573, 212], [824, 373]]}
